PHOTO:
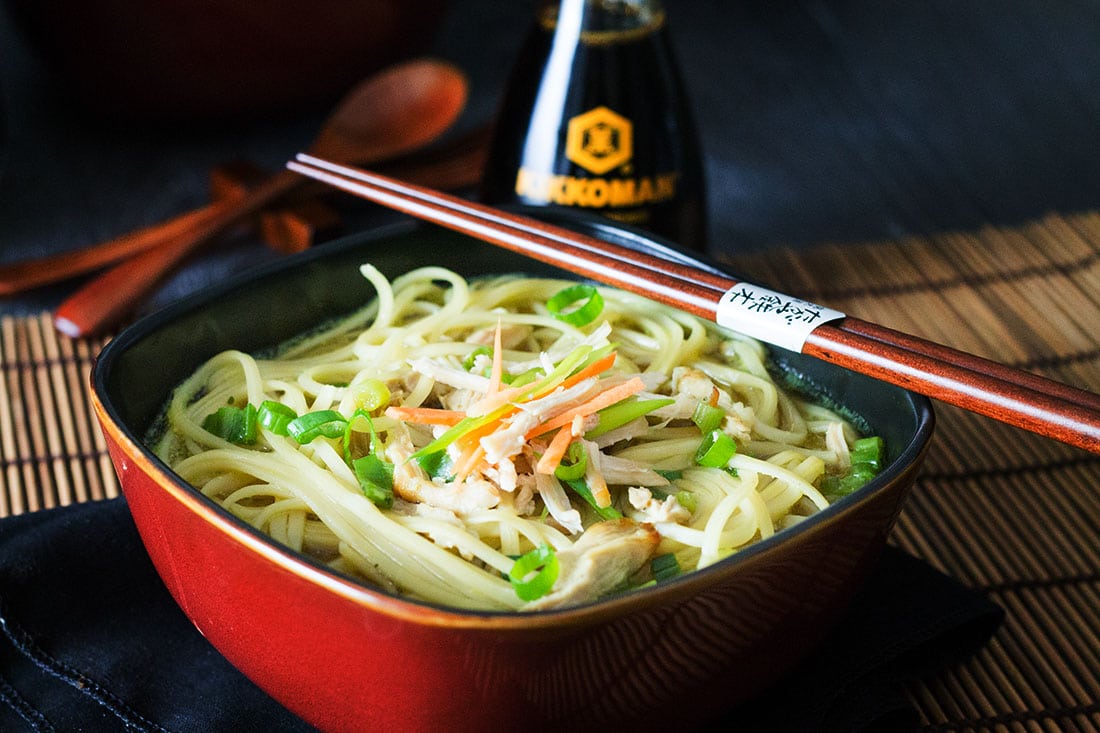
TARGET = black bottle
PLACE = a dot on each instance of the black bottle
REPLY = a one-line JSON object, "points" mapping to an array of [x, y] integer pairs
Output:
{"points": [[595, 117]]}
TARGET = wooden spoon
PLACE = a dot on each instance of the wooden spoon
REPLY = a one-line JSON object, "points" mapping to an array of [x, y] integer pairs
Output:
{"points": [[292, 226], [389, 114]]}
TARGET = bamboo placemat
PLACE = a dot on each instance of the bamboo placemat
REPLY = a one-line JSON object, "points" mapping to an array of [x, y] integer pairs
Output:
{"points": [[52, 449], [997, 508]]}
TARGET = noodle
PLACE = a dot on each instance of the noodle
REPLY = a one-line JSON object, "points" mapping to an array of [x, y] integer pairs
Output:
{"points": [[491, 441]]}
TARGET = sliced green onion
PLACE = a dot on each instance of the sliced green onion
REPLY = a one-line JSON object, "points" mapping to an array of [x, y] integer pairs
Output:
{"points": [[574, 464], [716, 450], [582, 490], [708, 417], [468, 362], [523, 379], [671, 475], [322, 423], [664, 567], [623, 412], [687, 500], [437, 465], [587, 301], [868, 450], [235, 424], [858, 475], [867, 461], [349, 428], [275, 416], [375, 479], [595, 355], [533, 573], [372, 395]]}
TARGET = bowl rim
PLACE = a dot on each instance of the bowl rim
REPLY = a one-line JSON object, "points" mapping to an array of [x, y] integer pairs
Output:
{"points": [[423, 612]]}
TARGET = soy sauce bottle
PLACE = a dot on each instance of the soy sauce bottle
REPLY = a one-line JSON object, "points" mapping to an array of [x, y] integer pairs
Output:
{"points": [[595, 117]]}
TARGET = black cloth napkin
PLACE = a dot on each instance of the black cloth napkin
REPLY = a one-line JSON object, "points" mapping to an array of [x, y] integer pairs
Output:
{"points": [[92, 641]]}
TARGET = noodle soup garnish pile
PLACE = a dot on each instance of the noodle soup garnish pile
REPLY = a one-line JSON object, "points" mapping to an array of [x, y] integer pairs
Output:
{"points": [[511, 443]]}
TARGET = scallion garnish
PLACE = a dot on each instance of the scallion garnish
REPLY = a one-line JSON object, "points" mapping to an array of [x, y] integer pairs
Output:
{"points": [[436, 465], [867, 459], [582, 490], [322, 423], [471, 358], [664, 567], [372, 395], [716, 450], [708, 417], [687, 500], [235, 424], [533, 573], [375, 479], [275, 416], [577, 305], [868, 450], [623, 412], [574, 463]]}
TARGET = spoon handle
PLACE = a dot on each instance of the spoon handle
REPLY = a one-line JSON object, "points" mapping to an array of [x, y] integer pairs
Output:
{"points": [[20, 276], [106, 300]]}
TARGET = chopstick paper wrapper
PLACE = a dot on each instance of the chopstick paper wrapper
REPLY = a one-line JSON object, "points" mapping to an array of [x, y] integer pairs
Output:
{"points": [[770, 316]]}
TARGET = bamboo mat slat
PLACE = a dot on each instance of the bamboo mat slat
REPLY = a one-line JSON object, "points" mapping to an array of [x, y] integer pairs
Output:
{"points": [[1001, 510], [52, 448]]}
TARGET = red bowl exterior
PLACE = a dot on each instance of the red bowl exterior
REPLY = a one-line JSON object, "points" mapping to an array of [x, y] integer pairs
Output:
{"points": [[345, 658]]}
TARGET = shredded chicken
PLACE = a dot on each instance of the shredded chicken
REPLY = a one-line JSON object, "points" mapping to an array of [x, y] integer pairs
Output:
{"points": [[449, 375], [631, 430], [655, 510], [557, 503], [625, 471], [599, 562], [411, 483]]}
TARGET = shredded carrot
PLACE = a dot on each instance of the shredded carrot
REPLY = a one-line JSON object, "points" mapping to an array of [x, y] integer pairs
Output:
{"points": [[597, 367], [714, 395], [425, 415], [604, 399], [468, 461], [492, 402], [550, 460]]}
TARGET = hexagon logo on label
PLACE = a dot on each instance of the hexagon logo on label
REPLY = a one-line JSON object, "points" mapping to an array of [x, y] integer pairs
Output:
{"points": [[599, 140]]}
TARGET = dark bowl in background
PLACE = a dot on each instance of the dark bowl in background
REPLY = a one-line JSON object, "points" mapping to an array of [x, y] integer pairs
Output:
{"points": [[344, 656], [202, 60]]}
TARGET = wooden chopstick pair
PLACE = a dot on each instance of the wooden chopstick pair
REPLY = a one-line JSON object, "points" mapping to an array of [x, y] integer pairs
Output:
{"points": [[1012, 396]]}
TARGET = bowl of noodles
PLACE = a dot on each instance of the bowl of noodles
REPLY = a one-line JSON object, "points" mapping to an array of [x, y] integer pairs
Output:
{"points": [[410, 481]]}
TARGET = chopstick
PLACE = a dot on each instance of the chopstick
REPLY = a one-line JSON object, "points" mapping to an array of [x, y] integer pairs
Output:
{"points": [[1028, 401]]}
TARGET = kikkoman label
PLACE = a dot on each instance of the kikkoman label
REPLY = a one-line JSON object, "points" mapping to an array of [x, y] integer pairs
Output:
{"points": [[600, 141]]}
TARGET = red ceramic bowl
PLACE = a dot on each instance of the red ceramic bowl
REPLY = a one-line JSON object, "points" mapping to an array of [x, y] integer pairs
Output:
{"points": [[347, 657]]}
